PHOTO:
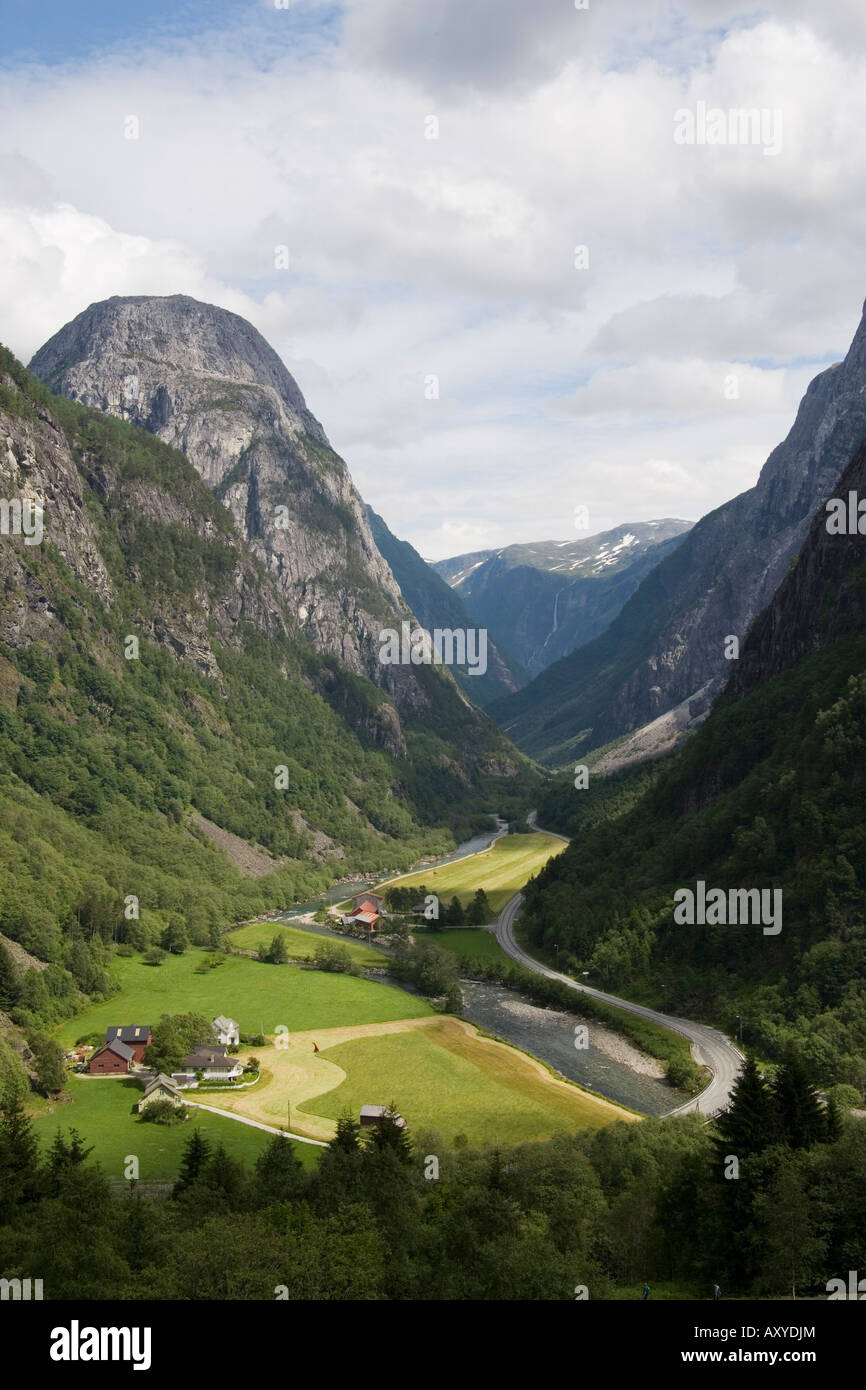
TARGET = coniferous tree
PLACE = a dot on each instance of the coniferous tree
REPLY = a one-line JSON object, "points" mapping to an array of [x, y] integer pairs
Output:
{"points": [[801, 1115], [196, 1154], [19, 1152], [750, 1124], [454, 915], [280, 1175]]}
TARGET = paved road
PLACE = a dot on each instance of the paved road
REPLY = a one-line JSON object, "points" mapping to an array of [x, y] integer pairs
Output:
{"points": [[710, 1048], [254, 1124]]}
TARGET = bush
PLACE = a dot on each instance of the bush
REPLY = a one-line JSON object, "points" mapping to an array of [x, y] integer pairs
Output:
{"points": [[164, 1112], [330, 955], [155, 956]]}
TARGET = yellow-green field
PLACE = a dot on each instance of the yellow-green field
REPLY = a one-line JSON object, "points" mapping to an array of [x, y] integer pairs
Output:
{"points": [[501, 870], [440, 1072], [301, 945]]}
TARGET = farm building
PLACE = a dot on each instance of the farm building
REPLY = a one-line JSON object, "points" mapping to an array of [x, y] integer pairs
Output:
{"points": [[374, 1114], [227, 1031], [160, 1088], [112, 1059], [368, 902], [135, 1035], [213, 1063]]}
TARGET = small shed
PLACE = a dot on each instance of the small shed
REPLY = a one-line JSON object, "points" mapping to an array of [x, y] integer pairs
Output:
{"points": [[375, 1114]]}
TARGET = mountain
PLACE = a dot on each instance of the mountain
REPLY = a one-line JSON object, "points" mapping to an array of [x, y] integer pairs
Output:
{"points": [[206, 382], [543, 600], [767, 794], [666, 647], [436, 605], [167, 730]]}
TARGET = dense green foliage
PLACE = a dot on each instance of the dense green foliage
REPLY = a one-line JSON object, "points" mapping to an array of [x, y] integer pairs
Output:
{"points": [[391, 1215], [767, 794]]}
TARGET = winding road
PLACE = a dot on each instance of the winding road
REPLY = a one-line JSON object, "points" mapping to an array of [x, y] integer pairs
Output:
{"points": [[710, 1048]]}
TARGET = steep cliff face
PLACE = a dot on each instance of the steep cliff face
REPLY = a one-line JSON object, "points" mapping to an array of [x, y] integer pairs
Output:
{"points": [[436, 605], [667, 643], [206, 382], [822, 598]]}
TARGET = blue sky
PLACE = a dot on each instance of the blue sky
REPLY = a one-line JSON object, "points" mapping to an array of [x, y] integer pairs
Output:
{"points": [[454, 256]]}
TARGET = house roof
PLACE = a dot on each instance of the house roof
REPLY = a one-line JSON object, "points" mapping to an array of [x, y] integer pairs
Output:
{"points": [[163, 1082], [129, 1032], [208, 1057], [367, 917], [365, 907], [225, 1025], [119, 1048]]}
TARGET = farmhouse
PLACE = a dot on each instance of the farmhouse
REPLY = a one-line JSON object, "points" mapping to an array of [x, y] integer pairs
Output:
{"points": [[368, 902], [112, 1059], [374, 1114], [160, 1088], [213, 1063], [135, 1035], [367, 912], [227, 1031]]}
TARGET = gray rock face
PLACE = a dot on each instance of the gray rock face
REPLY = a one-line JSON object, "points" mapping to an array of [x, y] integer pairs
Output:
{"points": [[206, 382], [544, 599], [668, 642]]}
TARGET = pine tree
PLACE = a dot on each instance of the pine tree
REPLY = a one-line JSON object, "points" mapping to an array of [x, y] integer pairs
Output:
{"points": [[196, 1155], [280, 1175], [750, 1124], [454, 916], [801, 1114], [389, 1135], [347, 1139], [19, 1152], [277, 953], [63, 1156]]}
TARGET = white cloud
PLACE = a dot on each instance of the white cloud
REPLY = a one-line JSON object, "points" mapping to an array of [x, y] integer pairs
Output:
{"points": [[455, 256]]}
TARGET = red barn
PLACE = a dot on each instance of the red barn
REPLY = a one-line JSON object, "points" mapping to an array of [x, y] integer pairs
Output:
{"points": [[112, 1059], [135, 1035]]}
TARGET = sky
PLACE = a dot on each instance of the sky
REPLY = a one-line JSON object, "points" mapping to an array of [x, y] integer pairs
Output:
{"points": [[528, 286]]}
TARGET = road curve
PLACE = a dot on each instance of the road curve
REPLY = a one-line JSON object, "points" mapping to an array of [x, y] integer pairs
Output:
{"points": [[710, 1048]]}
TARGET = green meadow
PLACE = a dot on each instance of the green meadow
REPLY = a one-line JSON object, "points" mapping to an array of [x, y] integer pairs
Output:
{"points": [[259, 996], [468, 943], [101, 1109], [300, 944], [501, 870]]}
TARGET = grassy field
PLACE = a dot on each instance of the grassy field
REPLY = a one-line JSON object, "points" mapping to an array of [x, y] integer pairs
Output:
{"points": [[253, 993], [101, 1110], [301, 945], [501, 871], [469, 943], [440, 1071]]}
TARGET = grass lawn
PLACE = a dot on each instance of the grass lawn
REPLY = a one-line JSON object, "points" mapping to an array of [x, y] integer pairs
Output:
{"points": [[469, 943], [445, 1076], [501, 870], [301, 945], [101, 1110], [253, 993], [440, 1071]]}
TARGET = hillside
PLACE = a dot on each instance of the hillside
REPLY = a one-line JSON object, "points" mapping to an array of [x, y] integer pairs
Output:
{"points": [[767, 794], [434, 604], [666, 646], [545, 599], [151, 676]]}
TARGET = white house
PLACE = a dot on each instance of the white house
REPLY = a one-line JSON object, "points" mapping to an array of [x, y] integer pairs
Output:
{"points": [[227, 1031], [213, 1064]]}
